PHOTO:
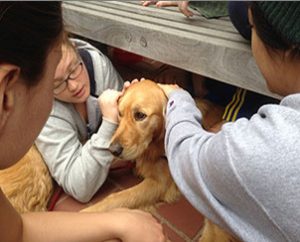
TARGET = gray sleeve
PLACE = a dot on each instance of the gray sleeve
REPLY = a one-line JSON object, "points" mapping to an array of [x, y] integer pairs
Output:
{"points": [[227, 175], [187, 141], [79, 169]]}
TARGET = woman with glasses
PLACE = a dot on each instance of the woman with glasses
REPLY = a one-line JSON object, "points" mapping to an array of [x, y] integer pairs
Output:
{"points": [[74, 142]]}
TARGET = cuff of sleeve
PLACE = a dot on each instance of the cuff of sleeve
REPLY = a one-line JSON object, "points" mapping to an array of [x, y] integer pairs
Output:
{"points": [[107, 129]]}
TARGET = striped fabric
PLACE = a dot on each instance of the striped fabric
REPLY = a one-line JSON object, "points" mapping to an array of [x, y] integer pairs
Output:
{"points": [[233, 108]]}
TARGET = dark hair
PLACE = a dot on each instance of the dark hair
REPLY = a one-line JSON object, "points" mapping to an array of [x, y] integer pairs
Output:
{"points": [[272, 39], [27, 32]]}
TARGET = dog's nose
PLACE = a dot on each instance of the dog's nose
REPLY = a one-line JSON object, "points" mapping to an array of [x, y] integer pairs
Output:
{"points": [[116, 149]]}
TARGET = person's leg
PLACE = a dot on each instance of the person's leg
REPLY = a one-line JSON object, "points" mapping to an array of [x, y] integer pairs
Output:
{"points": [[238, 13], [219, 92]]}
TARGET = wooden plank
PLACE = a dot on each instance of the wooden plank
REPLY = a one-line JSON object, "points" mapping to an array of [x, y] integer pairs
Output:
{"points": [[163, 21], [222, 55], [171, 14]]}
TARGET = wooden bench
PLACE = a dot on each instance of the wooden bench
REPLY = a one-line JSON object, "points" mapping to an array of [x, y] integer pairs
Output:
{"points": [[212, 48]]}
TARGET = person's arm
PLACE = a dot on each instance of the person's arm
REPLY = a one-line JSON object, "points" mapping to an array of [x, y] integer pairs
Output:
{"points": [[187, 141], [186, 148], [10, 221], [209, 9], [117, 225], [120, 224], [182, 5], [79, 169], [233, 177]]}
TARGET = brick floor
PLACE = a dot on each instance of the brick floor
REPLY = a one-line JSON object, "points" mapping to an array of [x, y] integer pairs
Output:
{"points": [[181, 221]]}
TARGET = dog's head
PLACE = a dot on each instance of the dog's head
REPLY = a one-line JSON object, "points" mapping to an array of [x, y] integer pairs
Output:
{"points": [[141, 116]]}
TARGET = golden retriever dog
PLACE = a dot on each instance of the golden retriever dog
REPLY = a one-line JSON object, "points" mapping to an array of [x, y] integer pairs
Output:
{"points": [[140, 137], [27, 184]]}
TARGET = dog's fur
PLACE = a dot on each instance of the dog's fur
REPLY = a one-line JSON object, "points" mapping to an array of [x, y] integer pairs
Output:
{"points": [[140, 137], [27, 184]]}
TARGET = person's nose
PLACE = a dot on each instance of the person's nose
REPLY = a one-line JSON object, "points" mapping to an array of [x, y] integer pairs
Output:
{"points": [[72, 85]]}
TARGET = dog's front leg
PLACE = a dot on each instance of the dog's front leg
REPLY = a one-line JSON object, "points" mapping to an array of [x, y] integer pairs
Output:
{"points": [[145, 194]]}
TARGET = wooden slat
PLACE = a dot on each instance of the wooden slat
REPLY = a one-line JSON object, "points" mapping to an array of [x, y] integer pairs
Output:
{"points": [[164, 21], [171, 14], [210, 48]]}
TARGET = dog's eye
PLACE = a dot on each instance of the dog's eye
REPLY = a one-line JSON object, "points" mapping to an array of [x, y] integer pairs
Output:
{"points": [[139, 116]]}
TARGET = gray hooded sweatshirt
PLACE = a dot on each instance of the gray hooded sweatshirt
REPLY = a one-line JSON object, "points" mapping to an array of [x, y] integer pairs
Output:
{"points": [[246, 177], [80, 163]]}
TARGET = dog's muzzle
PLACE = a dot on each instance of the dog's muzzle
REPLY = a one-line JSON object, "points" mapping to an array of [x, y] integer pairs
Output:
{"points": [[116, 149]]}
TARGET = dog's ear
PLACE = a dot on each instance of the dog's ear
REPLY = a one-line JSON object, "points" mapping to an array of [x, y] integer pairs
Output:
{"points": [[159, 132], [164, 101], [164, 111]]}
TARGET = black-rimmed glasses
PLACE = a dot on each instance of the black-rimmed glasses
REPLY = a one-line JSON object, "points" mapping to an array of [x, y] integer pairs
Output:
{"points": [[62, 85]]}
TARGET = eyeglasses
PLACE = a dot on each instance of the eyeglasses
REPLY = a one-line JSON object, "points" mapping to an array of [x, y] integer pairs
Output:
{"points": [[62, 85]]}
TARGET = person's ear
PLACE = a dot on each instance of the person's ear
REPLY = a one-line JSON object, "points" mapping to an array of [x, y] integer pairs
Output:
{"points": [[9, 74]]}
